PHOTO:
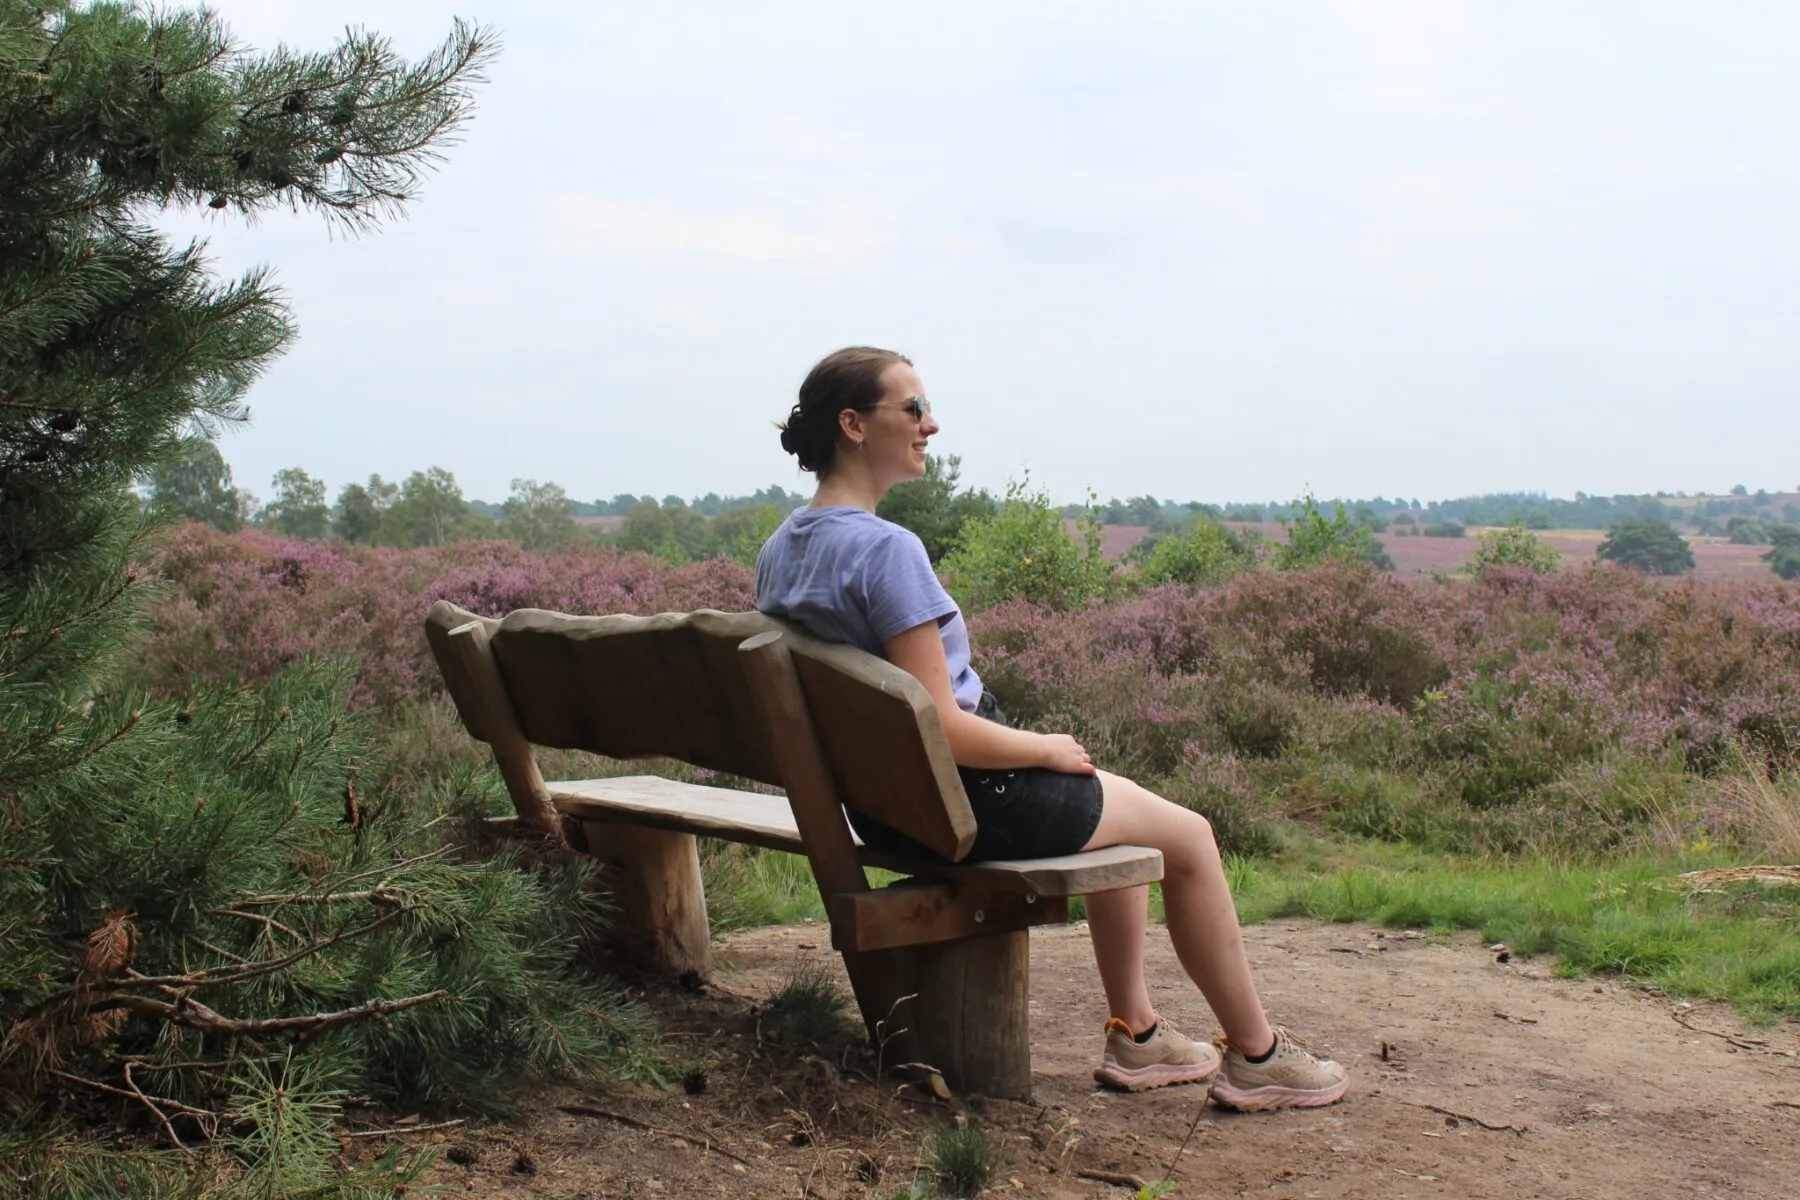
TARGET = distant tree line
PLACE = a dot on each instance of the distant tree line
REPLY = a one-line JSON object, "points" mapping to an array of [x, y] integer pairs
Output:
{"points": [[1188, 542], [1707, 515]]}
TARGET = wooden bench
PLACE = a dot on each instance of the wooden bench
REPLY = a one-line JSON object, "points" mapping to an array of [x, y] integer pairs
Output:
{"points": [[938, 962]]}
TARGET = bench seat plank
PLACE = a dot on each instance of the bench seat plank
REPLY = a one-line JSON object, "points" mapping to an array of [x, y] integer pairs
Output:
{"points": [[767, 821]]}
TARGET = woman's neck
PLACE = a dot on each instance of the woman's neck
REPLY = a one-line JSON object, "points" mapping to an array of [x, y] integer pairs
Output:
{"points": [[848, 487]]}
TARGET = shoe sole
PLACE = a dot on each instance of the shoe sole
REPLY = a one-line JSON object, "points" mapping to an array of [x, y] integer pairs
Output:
{"points": [[1264, 1099], [1145, 1078]]}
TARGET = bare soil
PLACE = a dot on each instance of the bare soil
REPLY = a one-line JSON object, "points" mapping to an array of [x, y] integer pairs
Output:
{"points": [[1470, 1078]]}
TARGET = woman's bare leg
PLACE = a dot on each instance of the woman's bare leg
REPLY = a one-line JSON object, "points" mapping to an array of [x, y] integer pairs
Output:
{"points": [[1197, 907], [1116, 923]]}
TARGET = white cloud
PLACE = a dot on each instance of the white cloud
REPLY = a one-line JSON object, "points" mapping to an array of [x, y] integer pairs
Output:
{"points": [[594, 223]]}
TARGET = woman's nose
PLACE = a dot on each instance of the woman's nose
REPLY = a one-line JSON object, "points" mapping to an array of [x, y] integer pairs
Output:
{"points": [[929, 425]]}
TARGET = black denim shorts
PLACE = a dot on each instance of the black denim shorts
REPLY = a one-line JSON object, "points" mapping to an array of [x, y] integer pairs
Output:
{"points": [[1027, 812]]}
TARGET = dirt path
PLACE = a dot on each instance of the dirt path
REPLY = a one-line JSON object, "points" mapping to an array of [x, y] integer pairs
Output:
{"points": [[1615, 1097]]}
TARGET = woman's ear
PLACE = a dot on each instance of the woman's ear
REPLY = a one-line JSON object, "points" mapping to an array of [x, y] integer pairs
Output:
{"points": [[850, 425]]}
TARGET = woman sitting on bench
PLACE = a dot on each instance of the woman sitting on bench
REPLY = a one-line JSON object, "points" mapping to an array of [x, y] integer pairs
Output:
{"points": [[861, 425]]}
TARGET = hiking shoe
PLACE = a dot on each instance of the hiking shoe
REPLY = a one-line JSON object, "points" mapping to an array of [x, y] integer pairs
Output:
{"points": [[1169, 1056], [1292, 1077]]}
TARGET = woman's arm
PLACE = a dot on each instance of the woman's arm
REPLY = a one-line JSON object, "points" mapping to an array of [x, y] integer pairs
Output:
{"points": [[974, 742]]}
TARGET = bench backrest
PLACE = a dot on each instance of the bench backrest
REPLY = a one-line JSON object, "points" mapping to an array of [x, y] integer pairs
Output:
{"points": [[674, 686]]}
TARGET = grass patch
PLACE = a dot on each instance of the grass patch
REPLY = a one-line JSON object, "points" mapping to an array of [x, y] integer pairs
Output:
{"points": [[1739, 944], [963, 1161], [808, 1011], [747, 886]]}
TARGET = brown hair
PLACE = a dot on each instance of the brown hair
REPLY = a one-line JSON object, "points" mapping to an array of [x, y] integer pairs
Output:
{"points": [[848, 378]]}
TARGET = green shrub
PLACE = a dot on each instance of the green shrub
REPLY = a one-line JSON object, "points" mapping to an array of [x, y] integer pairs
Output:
{"points": [[1446, 529], [1513, 546], [1205, 552], [1313, 539], [1650, 545], [1746, 531], [1784, 555], [1024, 552]]}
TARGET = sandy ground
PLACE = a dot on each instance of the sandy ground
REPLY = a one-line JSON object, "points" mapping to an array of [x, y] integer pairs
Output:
{"points": [[1470, 1078]]}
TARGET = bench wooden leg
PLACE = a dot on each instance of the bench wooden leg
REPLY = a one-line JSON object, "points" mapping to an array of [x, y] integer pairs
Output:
{"points": [[662, 905], [969, 1016]]}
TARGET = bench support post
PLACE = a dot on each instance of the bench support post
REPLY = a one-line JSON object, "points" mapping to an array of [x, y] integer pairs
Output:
{"points": [[958, 1007], [662, 903]]}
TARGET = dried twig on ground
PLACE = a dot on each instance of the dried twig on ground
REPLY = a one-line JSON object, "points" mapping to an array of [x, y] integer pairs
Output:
{"points": [[1740, 1043], [397, 1129], [1116, 1178], [1519, 1130], [606, 1114]]}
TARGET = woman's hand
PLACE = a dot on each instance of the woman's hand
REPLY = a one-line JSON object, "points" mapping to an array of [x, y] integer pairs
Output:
{"points": [[1063, 753]]}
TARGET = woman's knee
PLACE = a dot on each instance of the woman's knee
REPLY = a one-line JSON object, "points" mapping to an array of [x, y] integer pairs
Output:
{"points": [[1184, 836]]}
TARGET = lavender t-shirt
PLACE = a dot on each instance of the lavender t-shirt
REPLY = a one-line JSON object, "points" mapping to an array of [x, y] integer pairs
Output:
{"points": [[846, 575]]}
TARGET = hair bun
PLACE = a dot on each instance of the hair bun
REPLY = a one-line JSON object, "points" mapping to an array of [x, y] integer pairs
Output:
{"points": [[787, 440]]}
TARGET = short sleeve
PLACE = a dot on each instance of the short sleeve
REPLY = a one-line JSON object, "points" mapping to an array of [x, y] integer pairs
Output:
{"points": [[899, 588]]}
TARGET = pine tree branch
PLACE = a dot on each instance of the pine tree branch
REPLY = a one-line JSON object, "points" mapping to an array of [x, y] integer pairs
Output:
{"points": [[90, 752], [280, 720], [55, 631], [216, 976], [207, 1119], [390, 868], [377, 894], [191, 1014], [268, 923]]}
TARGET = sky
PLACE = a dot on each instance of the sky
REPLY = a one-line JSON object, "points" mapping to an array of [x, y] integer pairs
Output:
{"points": [[1219, 251]]}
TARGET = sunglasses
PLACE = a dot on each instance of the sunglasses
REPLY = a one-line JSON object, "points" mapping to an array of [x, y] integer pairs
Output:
{"points": [[918, 406]]}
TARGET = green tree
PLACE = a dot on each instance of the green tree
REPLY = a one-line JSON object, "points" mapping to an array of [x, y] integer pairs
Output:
{"points": [[193, 482], [1314, 539], [298, 507], [674, 533], [933, 507], [1649, 545], [1024, 552], [1746, 531], [742, 531], [1206, 552], [361, 508], [429, 510], [1514, 546], [1784, 551], [183, 877], [537, 515]]}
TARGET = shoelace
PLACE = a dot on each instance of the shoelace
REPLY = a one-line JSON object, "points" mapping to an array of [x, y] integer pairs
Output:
{"points": [[1283, 1037]]}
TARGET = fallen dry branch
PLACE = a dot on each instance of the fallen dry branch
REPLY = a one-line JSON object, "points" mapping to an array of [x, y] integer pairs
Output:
{"points": [[1518, 1130], [1740, 1043], [153, 1103], [238, 972], [192, 1014], [399, 1129], [1116, 1178], [606, 1114], [1784, 1104]]}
